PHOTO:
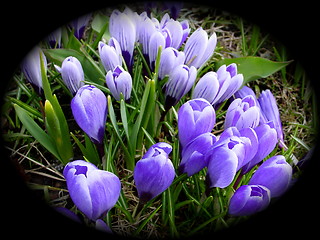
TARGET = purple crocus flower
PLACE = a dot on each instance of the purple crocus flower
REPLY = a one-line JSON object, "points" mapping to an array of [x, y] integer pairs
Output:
{"points": [[193, 155], [245, 91], [72, 74], [170, 58], [275, 174], [89, 108], [243, 113], [92, 190], [179, 83], [267, 140], [198, 48], [174, 8], [156, 40], [195, 117], [31, 69], [110, 54], [122, 28], [154, 173], [79, 25], [270, 112], [54, 38], [218, 86], [249, 199], [119, 81]]}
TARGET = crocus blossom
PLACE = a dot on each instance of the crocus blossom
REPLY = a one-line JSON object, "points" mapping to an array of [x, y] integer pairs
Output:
{"points": [[30, 67], [199, 48], [170, 58], [179, 83], [79, 25], [89, 108], [275, 174], [110, 54], [193, 155], [270, 112], [154, 173], [195, 117], [92, 190], [119, 81], [267, 140], [249, 199], [219, 86], [243, 113], [122, 28], [72, 74]]}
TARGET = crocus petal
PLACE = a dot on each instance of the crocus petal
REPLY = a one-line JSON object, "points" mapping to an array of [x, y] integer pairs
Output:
{"points": [[212, 42], [207, 87], [222, 165], [275, 174]]}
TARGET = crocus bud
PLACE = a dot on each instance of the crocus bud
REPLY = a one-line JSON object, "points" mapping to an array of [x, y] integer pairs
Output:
{"points": [[198, 48], [89, 108], [122, 28], [119, 81], [195, 117], [193, 155], [275, 174], [170, 58], [179, 83], [31, 69], [267, 140], [156, 40], [249, 199], [79, 25], [72, 74], [54, 38], [207, 87], [92, 190], [110, 54], [154, 173], [270, 112], [242, 113]]}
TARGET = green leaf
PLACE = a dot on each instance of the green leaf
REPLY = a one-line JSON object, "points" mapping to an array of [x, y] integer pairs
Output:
{"points": [[254, 68], [100, 24], [38, 133]]}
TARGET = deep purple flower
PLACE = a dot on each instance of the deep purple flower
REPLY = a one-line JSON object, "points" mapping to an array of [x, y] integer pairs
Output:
{"points": [[119, 81], [89, 108], [198, 48], [275, 174], [170, 58], [179, 83], [249, 199], [193, 155], [79, 25], [242, 113], [195, 117], [92, 190], [267, 140], [110, 54], [122, 28], [154, 173], [30, 67], [270, 112], [72, 74]]}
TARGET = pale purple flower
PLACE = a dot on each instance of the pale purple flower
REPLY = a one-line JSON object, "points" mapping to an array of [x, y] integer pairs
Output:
{"points": [[54, 38], [195, 117], [89, 108], [270, 112], [122, 28], [170, 58], [72, 74], [249, 199], [110, 54], [156, 40], [31, 69], [92, 190], [79, 25], [242, 113], [179, 83], [199, 48], [154, 173], [275, 174], [119, 81], [193, 154]]}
